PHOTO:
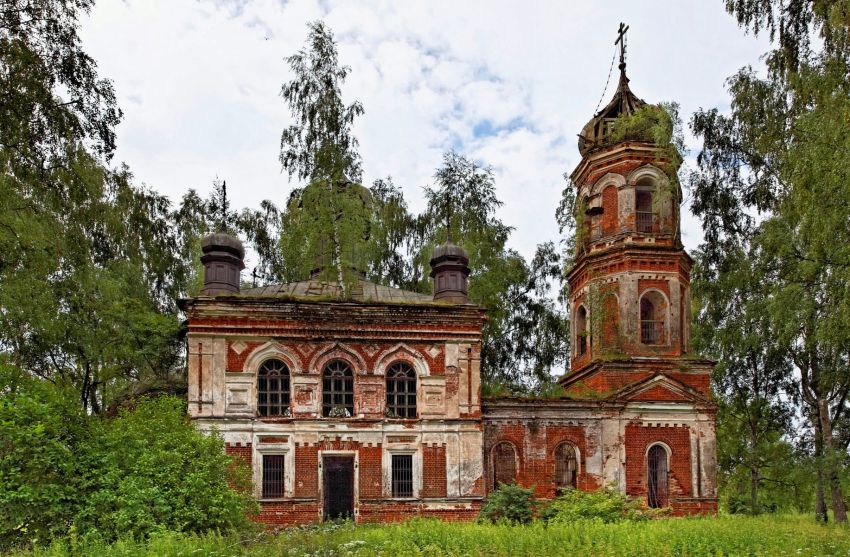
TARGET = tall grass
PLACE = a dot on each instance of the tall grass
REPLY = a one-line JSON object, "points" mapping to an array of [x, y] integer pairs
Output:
{"points": [[767, 536]]}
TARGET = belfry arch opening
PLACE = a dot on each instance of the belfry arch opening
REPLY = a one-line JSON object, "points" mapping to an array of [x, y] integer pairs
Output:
{"points": [[653, 318], [645, 193], [581, 331]]}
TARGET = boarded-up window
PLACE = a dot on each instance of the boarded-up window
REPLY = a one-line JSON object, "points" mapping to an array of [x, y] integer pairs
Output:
{"points": [[272, 476], [657, 477], [610, 321], [610, 211], [401, 391], [504, 464], [402, 475], [273, 389], [338, 390], [566, 466]]}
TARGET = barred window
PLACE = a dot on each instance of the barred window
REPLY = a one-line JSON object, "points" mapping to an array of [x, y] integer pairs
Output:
{"points": [[652, 313], [401, 391], [566, 466], [273, 389], [402, 475], [272, 476], [504, 464], [338, 390]]}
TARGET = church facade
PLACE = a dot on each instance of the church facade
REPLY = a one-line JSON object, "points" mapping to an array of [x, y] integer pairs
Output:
{"points": [[365, 402]]}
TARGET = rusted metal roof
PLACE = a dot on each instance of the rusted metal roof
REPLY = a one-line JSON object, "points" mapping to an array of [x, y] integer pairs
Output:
{"points": [[360, 291]]}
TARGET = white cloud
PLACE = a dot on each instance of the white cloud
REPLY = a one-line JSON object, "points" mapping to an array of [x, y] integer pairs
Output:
{"points": [[199, 84]]}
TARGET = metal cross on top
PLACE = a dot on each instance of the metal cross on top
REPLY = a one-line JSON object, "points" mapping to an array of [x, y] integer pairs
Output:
{"points": [[621, 40]]}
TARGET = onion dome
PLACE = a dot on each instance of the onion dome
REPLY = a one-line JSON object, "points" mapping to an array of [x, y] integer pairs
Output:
{"points": [[450, 271], [595, 132], [223, 259]]}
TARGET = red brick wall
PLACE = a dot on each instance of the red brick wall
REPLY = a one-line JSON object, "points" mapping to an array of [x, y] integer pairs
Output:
{"points": [[639, 438], [535, 442], [610, 211], [370, 472], [306, 471], [434, 471], [241, 450]]}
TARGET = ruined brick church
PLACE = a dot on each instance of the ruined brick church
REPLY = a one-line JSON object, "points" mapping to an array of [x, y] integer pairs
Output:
{"points": [[369, 405]]}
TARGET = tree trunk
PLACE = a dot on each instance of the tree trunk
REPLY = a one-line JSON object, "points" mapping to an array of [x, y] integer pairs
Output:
{"points": [[839, 511], [820, 501], [754, 489]]}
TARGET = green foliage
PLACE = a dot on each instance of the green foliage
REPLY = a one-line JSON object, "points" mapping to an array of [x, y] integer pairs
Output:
{"points": [[147, 470], [605, 505], [527, 332], [774, 536], [41, 430], [659, 124], [771, 187], [509, 503], [151, 469]]}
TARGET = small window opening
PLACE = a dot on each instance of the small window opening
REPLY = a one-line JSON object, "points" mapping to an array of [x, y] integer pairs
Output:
{"points": [[272, 476], [402, 475]]}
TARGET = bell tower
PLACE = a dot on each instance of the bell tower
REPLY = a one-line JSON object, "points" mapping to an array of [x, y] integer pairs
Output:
{"points": [[630, 290]]}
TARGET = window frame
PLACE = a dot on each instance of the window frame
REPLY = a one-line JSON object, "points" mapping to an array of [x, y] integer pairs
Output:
{"points": [[653, 501], [574, 452], [409, 379], [408, 482], [264, 481], [329, 389], [284, 390]]}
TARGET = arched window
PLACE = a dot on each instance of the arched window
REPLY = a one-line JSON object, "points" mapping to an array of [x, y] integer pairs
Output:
{"points": [[504, 464], [581, 331], [653, 309], [273, 389], [656, 484], [337, 390], [401, 391], [566, 466], [644, 212]]}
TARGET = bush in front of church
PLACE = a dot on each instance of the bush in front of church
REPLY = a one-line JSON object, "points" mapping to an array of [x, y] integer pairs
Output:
{"points": [[509, 503], [154, 471], [67, 474], [604, 505]]}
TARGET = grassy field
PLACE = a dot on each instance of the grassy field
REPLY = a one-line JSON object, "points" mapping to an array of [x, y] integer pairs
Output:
{"points": [[793, 535]]}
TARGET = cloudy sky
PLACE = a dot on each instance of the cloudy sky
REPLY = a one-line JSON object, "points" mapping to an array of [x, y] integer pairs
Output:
{"points": [[507, 83]]}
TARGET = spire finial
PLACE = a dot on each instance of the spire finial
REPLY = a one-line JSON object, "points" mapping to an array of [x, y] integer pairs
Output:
{"points": [[621, 40]]}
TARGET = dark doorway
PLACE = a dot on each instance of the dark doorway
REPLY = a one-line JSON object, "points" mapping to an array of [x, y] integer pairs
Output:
{"points": [[338, 487], [657, 477]]}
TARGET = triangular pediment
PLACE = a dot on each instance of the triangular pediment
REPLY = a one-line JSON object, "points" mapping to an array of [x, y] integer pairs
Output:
{"points": [[659, 388]]}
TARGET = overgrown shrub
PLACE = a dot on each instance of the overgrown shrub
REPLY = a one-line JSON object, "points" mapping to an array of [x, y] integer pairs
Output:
{"points": [[154, 470], [606, 505], [509, 503], [148, 470], [41, 431]]}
